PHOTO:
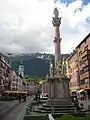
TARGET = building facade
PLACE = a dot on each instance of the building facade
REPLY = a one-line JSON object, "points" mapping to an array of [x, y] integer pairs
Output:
{"points": [[9, 79], [33, 87], [79, 65], [17, 82], [5, 72], [21, 69]]}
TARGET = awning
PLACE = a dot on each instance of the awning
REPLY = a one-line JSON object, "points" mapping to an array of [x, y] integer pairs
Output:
{"points": [[73, 91], [24, 92], [80, 91], [16, 92]]}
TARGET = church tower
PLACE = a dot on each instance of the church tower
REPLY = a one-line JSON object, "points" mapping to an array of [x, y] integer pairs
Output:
{"points": [[21, 69]]}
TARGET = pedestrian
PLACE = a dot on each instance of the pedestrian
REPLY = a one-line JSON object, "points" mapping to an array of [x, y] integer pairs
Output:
{"points": [[39, 97], [81, 106], [76, 103], [24, 98], [19, 98], [36, 97]]}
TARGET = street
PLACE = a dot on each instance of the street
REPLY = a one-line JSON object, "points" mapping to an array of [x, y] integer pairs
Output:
{"points": [[14, 113]]}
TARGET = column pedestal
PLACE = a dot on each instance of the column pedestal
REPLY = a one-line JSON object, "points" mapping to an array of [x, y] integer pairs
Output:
{"points": [[59, 91]]}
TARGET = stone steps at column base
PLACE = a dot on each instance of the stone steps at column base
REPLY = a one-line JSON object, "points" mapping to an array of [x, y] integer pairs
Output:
{"points": [[59, 102], [60, 111], [58, 106], [56, 109]]}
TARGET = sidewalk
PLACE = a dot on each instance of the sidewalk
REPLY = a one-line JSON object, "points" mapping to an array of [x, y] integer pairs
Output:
{"points": [[18, 112], [5, 106]]}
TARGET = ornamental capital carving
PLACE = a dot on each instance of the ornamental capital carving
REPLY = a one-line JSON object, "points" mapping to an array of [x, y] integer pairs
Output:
{"points": [[56, 21]]}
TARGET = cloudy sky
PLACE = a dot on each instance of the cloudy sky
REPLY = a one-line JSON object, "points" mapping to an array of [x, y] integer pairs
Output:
{"points": [[26, 25]]}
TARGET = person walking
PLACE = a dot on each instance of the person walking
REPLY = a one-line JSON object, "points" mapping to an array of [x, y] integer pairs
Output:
{"points": [[24, 98], [19, 98]]}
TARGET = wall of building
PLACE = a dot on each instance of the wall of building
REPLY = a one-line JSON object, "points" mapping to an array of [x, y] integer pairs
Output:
{"points": [[5, 72], [74, 71], [79, 62], [32, 87], [9, 79]]}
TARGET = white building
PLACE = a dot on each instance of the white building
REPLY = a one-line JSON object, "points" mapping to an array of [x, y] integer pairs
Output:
{"points": [[21, 69], [16, 83], [19, 84]]}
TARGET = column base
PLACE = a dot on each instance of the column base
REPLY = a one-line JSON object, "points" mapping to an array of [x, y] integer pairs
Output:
{"points": [[59, 102]]}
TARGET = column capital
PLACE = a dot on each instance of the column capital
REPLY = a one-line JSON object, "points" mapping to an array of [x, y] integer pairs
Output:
{"points": [[56, 21], [56, 39]]}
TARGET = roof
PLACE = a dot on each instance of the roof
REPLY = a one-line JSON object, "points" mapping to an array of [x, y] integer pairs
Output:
{"points": [[84, 40], [78, 46], [32, 83], [74, 51]]}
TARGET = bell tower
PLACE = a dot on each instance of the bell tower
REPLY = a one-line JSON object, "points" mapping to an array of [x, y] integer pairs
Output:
{"points": [[21, 69]]}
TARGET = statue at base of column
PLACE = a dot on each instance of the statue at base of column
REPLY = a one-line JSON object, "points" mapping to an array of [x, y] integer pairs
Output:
{"points": [[51, 69]]}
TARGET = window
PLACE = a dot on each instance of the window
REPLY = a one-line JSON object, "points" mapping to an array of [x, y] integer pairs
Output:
{"points": [[88, 57], [76, 73], [13, 89], [86, 48], [13, 84], [81, 63], [80, 53], [89, 67], [81, 72], [77, 82], [85, 69], [86, 80], [82, 81], [84, 58]]}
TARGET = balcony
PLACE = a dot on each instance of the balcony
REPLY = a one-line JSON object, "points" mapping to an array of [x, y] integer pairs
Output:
{"points": [[84, 75], [85, 86], [85, 53]]}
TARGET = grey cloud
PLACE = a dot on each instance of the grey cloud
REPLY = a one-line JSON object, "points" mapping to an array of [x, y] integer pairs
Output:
{"points": [[34, 37]]}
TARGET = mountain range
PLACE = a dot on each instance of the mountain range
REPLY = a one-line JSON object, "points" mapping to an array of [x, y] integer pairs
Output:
{"points": [[35, 64]]}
